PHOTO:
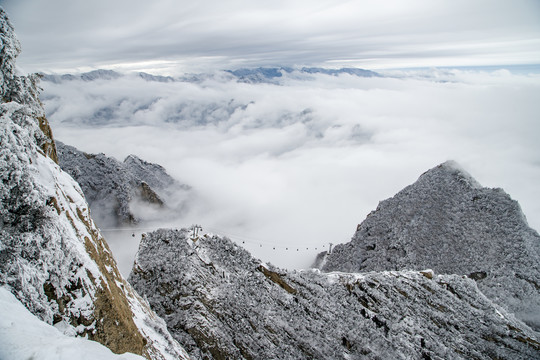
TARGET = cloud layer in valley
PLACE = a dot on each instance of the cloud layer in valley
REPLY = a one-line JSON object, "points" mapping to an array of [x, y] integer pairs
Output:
{"points": [[298, 163]]}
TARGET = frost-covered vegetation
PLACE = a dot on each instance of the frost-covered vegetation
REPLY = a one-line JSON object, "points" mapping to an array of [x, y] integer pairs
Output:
{"points": [[448, 222], [119, 192], [220, 302]]}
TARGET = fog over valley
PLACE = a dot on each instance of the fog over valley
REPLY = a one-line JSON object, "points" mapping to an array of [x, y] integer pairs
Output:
{"points": [[296, 158]]}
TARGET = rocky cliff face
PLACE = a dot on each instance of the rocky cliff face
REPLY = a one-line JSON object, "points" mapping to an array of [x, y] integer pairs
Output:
{"points": [[447, 222], [52, 256], [223, 304], [119, 191]]}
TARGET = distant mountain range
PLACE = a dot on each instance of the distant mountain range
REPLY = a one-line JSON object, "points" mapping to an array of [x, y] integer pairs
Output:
{"points": [[261, 75], [100, 74], [250, 75]]}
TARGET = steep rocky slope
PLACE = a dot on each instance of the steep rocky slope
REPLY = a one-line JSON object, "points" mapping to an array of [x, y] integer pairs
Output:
{"points": [[119, 191], [52, 256], [221, 303], [447, 222]]}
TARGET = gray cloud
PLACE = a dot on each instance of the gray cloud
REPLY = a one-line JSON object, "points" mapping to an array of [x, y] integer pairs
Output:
{"points": [[300, 163], [171, 36]]}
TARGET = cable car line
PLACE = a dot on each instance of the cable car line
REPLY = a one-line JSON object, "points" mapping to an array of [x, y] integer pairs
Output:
{"points": [[237, 238]]}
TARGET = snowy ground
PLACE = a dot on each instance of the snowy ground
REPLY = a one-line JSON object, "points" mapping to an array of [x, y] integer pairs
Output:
{"points": [[23, 336]]}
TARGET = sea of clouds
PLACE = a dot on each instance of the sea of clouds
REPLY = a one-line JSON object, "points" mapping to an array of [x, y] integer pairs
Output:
{"points": [[299, 160]]}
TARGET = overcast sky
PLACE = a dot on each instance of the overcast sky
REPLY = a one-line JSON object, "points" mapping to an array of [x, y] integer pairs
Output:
{"points": [[173, 36]]}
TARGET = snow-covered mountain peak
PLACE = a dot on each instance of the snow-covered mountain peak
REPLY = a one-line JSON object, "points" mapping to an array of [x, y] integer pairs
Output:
{"points": [[447, 222], [100, 74], [447, 172], [153, 174], [120, 192]]}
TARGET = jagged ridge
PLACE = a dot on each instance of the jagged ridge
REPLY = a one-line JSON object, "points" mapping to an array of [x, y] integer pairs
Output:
{"points": [[113, 188], [221, 303]]}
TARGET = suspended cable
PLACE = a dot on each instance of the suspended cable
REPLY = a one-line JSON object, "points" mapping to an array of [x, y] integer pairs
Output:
{"points": [[249, 240], [244, 239]]}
